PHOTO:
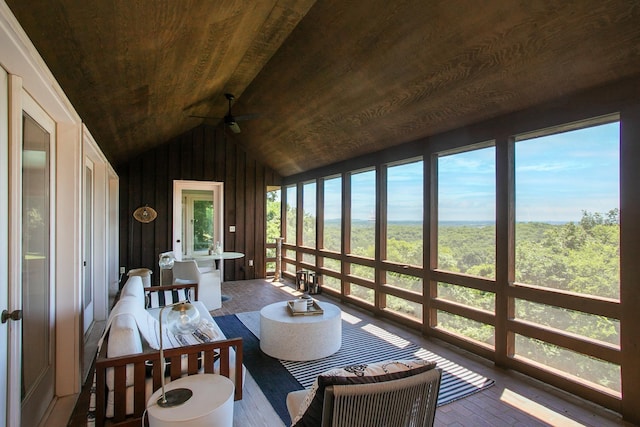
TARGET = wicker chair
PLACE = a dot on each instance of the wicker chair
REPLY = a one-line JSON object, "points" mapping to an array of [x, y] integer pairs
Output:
{"points": [[407, 402]]}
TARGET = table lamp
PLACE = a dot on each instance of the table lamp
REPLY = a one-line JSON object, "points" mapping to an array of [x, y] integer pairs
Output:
{"points": [[165, 262], [182, 319]]}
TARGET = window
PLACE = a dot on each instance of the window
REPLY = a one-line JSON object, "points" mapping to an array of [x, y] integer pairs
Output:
{"points": [[333, 214], [363, 213], [405, 213], [567, 202], [292, 213], [273, 213], [568, 239], [466, 212], [309, 215]]}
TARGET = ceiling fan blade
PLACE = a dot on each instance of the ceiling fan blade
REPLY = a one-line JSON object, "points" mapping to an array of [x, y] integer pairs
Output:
{"points": [[245, 117], [205, 117], [234, 127]]}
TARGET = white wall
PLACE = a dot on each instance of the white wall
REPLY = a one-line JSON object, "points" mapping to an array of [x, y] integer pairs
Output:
{"points": [[29, 74]]}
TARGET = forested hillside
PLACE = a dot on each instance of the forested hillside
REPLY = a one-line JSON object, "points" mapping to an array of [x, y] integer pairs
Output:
{"points": [[579, 257]]}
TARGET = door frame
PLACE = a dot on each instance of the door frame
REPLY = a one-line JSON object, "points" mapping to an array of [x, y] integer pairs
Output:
{"points": [[105, 224], [4, 238], [218, 207]]}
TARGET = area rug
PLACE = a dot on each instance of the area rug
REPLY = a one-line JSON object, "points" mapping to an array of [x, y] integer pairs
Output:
{"points": [[361, 343]]}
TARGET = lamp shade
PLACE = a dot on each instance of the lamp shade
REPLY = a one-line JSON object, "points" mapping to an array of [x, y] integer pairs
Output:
{"points": [[183, 318]]}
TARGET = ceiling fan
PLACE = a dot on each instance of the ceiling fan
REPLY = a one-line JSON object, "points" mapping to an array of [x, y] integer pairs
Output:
{"points": [[230, 120]]}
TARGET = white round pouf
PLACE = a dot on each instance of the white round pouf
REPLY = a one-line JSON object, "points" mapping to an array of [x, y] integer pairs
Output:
{"points": [[299, 338], [211, 404]]}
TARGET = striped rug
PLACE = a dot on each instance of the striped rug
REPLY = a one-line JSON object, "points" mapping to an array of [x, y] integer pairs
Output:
{"points": [[365, 343]]}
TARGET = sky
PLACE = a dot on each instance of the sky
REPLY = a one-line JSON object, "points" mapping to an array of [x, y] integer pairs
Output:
{"points": [[557, 177]]}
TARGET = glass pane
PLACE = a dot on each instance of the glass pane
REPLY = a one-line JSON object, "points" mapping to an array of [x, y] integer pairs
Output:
{"points": [[466, 212], [273, 216], [569, 363], [202, 225], [567, 205], [402, 306], [88, 240], [332, 264], [467, 296], [331, 282], [363, 272], [309, 219], [36, 259], [459, 325], [290, 268], [404, 281], [362, 292], [309, 259], [404, 213], [333, 214], [588, 325], [363, 213], [292, 211]]}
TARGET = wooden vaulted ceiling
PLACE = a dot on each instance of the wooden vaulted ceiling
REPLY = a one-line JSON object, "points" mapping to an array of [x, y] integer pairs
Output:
{"points": [[330, 79]]}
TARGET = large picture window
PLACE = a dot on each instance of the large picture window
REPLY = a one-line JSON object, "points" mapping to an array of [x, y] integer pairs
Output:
{"points": [[567, 204], [568, 240]]}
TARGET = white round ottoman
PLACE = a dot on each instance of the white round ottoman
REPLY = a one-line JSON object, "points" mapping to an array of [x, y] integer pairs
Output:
{"points": [[298, 338]]}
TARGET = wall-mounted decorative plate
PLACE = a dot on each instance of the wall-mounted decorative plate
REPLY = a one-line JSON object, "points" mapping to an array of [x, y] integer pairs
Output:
{"points": [[145, 214]]}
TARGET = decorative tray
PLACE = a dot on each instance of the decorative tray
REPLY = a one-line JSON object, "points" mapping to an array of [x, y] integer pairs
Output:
{"points": [[311, 310]]}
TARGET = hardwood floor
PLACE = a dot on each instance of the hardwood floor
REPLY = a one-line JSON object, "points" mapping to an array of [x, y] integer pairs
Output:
{"points": [[514, 400]]}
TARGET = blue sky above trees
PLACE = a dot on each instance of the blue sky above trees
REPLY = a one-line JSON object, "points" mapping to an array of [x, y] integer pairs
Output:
{"points": [[557, 178]]}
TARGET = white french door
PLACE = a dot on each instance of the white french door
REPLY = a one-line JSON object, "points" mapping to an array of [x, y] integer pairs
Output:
{"points": [[31, 355], [87, 264], [4, 241]]}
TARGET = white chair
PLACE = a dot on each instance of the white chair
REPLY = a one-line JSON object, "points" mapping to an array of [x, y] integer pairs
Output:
{"points": [[208, 283]]}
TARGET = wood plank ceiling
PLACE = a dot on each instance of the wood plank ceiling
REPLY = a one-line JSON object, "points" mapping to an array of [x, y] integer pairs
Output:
{"points": [[331, 79]]}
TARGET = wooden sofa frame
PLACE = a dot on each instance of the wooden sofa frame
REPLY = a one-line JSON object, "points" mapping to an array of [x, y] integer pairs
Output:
{"points": [[209, 353]]}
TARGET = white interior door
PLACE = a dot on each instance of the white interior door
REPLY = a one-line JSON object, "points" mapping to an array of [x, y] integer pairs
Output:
{"points": [[87, 225], [31, 262], [4, 241]]}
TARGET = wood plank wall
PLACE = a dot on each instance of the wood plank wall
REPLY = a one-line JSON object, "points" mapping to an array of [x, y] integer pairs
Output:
{"points": [[202, 154]]}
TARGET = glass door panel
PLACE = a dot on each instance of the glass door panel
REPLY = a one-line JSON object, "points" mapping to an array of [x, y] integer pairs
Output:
{"points": [[37, 336]]}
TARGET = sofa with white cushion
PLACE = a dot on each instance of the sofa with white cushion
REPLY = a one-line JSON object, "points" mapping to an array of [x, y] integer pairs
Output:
{"points": [[128, 366]]}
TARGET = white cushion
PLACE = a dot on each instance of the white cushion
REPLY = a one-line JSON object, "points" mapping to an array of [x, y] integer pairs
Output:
{"points": [[124, 337], [134, 288], [160, 299]]}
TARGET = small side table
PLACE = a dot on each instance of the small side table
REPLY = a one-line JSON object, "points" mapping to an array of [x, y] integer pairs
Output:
{"points": [[299, 338], [211, 404]]}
